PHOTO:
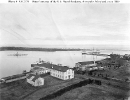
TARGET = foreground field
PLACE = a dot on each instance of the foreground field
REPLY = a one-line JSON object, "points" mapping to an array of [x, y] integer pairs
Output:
{"points": [[93, 92], [22, 90]]}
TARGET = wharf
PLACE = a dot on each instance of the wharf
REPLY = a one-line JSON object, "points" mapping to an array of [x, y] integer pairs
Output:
{"points": [[96, 54]]}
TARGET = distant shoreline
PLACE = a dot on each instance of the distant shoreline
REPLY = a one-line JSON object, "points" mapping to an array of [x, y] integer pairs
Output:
{"points": [[36, 49], [51, 49]]}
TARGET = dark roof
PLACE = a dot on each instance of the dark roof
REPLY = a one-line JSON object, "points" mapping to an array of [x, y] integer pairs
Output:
{"points": [[53, 66], [36, 68], [60, 68], [35, 77], [86, 62]]}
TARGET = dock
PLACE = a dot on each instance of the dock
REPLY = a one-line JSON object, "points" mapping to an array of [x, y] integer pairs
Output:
{"points": [[106, 55]]}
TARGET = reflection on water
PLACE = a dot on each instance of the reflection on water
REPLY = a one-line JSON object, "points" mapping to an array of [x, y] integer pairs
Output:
{"points": [[10, 65]]}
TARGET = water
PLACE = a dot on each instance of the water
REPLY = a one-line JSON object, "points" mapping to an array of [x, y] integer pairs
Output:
{"points": [[10, 65]]}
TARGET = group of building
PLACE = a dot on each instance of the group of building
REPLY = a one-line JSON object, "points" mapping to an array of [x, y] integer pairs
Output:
{"points": [[98, 65], [58, 71]]}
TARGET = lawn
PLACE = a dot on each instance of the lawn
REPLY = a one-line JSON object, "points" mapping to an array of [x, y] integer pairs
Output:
{"points": [[23, 90], [93, 92]]}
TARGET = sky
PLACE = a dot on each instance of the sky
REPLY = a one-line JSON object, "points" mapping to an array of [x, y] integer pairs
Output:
{"points": [[66, 25]]}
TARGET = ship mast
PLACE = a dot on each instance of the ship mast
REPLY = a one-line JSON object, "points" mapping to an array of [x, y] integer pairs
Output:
{"points": [[93, 56], [84, 54]]}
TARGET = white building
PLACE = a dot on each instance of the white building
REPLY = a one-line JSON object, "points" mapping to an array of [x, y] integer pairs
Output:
{"points": [[35, 80], [58, 71], [62, 72], [38, 70]]}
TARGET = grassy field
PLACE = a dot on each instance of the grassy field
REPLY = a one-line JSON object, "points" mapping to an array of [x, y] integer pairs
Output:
{"points": [[93, 92], [23, 90], [51, 89]]}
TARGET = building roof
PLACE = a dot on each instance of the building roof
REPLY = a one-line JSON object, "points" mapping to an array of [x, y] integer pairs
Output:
{"points": [[86, 62], [34, 77], [53, 66], [37, 68], [60, 68]]}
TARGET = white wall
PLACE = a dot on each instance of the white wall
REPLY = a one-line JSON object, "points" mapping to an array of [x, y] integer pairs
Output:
{"points": [[62, 75], [37, 82], [30, 81]]}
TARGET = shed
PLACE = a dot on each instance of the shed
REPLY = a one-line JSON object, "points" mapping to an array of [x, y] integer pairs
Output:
{"points": [[35, 80]]}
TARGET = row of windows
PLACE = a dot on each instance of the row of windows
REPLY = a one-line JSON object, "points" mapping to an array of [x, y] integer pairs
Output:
{"points": [[63, 77], [57, 71], [63, 73], [59, 76]]}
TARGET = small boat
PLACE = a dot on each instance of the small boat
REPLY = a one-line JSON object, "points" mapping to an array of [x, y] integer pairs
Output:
{"points": [[94, 53]]}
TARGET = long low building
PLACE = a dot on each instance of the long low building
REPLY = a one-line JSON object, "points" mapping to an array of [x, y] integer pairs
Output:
{"points": [[58, 71], [83, 65]]}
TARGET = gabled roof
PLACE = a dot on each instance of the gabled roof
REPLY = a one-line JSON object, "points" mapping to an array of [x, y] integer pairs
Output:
{"points": [[86, 62], [53, 66], [34, 77]]}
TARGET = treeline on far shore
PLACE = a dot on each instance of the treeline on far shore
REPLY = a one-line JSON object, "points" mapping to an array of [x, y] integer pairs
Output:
{"points": [[37, 49]]}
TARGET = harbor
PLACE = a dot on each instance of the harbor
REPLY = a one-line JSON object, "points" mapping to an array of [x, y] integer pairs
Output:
{"points": [[63, 50], [93, 72]]}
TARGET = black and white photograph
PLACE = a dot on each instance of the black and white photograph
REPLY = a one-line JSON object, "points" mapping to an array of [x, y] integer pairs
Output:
{"points": [[64, 50]]}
